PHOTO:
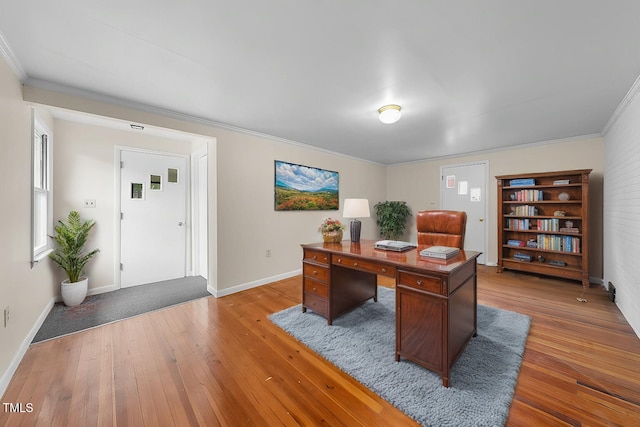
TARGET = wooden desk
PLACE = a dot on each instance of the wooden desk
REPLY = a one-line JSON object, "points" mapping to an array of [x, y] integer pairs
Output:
{"points": [[436, 301]]}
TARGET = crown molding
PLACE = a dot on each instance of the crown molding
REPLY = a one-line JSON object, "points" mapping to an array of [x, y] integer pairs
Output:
{"points": [[106, 99], [7, 53], [622, 107]]}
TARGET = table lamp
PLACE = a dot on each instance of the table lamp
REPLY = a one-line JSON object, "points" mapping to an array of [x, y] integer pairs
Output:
{"points": [[356, 208]]}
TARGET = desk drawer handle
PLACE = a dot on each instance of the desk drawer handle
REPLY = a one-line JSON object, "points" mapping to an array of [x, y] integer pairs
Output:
{"points": [[384, 270], [339, 260], [355, 264], [314, 289], [315, 257], [419, 282], [315, 273]]}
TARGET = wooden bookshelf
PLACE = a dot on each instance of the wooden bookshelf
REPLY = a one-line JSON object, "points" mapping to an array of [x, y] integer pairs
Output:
{"points": [[529, 207]]}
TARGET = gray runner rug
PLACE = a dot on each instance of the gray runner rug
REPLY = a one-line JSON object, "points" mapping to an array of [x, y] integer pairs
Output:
{"points": [[117, 305], [362, 344]]}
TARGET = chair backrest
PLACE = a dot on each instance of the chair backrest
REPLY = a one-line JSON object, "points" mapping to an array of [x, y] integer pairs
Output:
{"points": [[441, 228]]}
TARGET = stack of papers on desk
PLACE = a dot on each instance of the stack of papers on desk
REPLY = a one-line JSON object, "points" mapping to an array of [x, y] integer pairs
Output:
{"points": [[439, 252], [394, 245]]}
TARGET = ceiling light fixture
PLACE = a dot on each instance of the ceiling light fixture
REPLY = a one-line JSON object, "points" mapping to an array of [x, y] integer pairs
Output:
{"points": [[389, 113], [137, 127]]}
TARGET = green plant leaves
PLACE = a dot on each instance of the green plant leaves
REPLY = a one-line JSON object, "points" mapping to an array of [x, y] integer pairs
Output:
{"points": [[70, 239], [392, 218]]}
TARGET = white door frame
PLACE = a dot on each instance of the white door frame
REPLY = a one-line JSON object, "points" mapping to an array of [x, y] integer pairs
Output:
{"points": [[485, 197], [200, 224], [118, 149]]}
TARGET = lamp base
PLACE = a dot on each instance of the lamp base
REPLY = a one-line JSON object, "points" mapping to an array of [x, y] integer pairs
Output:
{"points": [[356, 225]]}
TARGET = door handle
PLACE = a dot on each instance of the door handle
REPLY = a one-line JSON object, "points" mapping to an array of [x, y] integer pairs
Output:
{"points": [[481, 219], [180, 224]]}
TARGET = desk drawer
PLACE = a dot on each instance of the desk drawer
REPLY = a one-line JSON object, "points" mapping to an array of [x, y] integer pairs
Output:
{"points": [[316, 272], [316, 288], [316, 256], [363, 265], [421, 282], [315, 303]]}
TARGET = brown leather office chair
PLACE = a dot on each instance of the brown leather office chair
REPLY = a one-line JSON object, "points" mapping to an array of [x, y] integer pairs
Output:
{"points": [[441, 228]]}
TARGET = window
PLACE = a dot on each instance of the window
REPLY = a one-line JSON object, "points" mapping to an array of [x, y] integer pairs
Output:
{"points": [[42, 209]]}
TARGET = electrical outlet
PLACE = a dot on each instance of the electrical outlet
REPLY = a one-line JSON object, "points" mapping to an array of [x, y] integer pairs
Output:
{"points": [[90, 203], [268, 254], [7, 316]]}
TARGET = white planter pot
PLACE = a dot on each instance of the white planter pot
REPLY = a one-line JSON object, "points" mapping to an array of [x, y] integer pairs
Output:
{"points": [[74, 293]]}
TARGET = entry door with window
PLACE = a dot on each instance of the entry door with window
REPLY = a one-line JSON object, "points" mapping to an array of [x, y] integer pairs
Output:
{"points": [[464, 188], [153, 200]]}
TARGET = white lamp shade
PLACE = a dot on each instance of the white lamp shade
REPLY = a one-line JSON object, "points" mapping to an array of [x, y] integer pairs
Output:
{"points": [[356, 208]]}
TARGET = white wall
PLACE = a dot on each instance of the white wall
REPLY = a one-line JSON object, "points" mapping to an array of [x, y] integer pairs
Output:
{"points": [[84, 169], [247, 224], [622, 209], [26, 291], [418, 183]]}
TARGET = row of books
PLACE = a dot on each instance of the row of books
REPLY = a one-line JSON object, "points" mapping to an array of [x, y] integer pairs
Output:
{"points": [[552, 224], [539, 224], [528, 196], [525, 210], [518, 224], [559, 243]]}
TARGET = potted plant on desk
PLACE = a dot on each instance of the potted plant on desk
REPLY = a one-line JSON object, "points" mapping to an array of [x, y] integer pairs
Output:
{"points": [[331, 230], [70, 239]]}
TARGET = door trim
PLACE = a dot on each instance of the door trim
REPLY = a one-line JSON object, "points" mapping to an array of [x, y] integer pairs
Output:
{"points": [[118, 149]]}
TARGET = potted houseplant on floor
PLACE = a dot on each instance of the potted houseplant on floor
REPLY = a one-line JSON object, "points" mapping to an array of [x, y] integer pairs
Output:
{"points": [[70, 238], [392, 218]]}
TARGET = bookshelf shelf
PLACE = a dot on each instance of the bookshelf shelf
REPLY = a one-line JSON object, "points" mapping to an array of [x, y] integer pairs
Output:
{"points": [[548, 214]]}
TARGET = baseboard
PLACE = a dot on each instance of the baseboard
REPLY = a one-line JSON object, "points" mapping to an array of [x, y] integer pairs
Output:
{"points": [[13, 366], [243, 287], [102, 290]]}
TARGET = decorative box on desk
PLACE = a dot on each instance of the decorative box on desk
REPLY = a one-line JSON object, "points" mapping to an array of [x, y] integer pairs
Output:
{"points": [[551, 215]]}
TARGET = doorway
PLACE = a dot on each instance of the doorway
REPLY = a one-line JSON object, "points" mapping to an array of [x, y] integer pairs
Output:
{"points": [[153, 216], [464, 188]]}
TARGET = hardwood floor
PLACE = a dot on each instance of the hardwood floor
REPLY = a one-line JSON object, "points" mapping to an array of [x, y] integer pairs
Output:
{"points": [[221, 362]]}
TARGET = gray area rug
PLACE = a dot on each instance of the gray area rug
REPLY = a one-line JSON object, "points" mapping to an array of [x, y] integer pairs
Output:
{"points": [[362, 344], [117, 305]]}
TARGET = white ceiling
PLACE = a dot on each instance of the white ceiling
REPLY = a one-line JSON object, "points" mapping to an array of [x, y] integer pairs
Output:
{"points": [[470, 75]]}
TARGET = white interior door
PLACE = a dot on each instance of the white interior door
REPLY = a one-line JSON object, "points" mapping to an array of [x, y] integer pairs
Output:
{"points": [[464, 188], [153, 200]]}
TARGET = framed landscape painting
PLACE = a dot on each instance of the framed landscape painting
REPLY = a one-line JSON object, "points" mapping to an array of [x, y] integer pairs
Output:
{"points": [[305, 188]]}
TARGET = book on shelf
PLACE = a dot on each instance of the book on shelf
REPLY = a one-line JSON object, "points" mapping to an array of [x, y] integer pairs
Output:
{"points": [[561, 182], [523, 257], [439, 252], [522, 182], [570, 230], [513, 242]]}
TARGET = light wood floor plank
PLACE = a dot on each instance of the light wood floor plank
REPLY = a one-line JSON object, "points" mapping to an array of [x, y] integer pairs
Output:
{"points": [[221, 362]]}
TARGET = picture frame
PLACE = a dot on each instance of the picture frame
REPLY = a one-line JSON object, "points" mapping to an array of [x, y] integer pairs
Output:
{"points": [[305, 188]]}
